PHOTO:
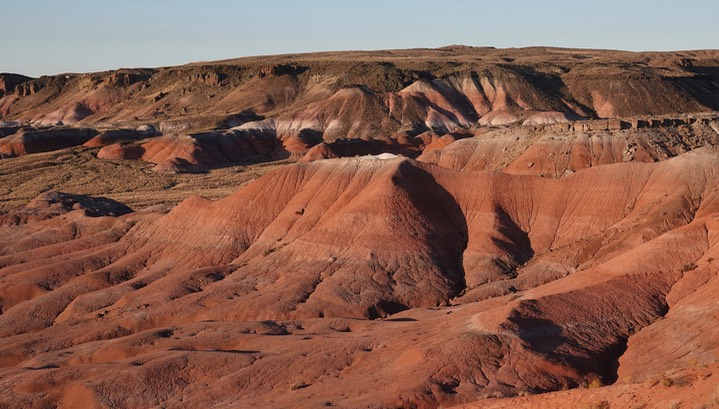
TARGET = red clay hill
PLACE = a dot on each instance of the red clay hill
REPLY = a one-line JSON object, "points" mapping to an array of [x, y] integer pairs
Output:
{"points": [[376, 280], [452, 227]]}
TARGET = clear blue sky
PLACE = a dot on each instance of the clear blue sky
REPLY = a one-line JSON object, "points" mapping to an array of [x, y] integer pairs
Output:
{"points": [[54, 36]]}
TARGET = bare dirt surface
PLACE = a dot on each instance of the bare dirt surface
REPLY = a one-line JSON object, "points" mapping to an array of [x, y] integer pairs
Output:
{"points": [[78, 170], [394, 229]]}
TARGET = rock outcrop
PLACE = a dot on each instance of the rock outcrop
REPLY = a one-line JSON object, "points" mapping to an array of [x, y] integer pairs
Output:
{"points": [[8, 82]]}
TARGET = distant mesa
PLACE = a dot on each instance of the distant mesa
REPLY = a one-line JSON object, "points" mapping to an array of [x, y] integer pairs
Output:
{"points": [[314, 106], [359, 94]]}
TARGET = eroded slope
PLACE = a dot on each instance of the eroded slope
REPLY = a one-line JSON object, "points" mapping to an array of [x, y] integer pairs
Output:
{"points": [[484, 284]]}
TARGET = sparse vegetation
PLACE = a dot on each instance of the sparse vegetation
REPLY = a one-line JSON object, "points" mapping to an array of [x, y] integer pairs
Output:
{"points": [[595, 383], [683, 381], [300, 385], [675, 404], [689, 267], [267, 252], [78, 170], [524, 393], [595, 405]]}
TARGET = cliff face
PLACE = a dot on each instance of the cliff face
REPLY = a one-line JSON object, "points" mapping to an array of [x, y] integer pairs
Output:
{"points": [[9, 82]]}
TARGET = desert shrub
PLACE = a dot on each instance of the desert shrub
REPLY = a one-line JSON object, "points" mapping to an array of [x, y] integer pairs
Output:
{"points": [[683, 380], [269, 251], [595, 405], [595, 383], [300, 385]]}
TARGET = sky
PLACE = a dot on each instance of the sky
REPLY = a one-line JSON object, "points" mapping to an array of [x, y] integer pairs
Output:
{"points": [[41, 37]]}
